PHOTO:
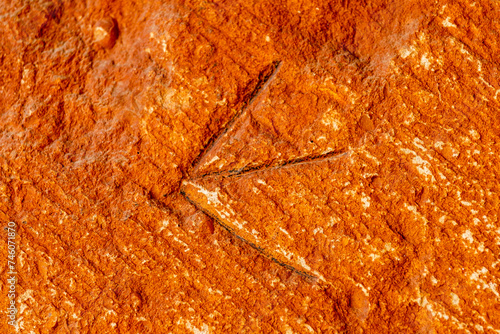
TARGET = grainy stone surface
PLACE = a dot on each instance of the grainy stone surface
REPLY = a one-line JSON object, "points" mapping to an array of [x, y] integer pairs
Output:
{"points": [[355, 143]]}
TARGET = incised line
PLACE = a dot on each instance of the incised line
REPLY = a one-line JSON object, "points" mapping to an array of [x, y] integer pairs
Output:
{"points": [[265, 78]]}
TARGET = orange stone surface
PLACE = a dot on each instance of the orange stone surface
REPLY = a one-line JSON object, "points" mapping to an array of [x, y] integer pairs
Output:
{"points": [[251, 166]]}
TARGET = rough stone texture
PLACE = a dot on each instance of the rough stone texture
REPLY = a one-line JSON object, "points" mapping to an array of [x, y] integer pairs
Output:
{"points": [[356, 143]]}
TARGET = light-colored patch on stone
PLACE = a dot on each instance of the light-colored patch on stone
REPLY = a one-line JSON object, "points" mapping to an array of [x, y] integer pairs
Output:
{"points": [[213, 160], [318, 229], [467, 235], [302, 262], [285, 232], [365, 200], [331, 119], [422, 166], [424, 61], [203, 330], [164, 225], [223, 211], [474, 134], [406, 52], [439, 144], [447, 23]]}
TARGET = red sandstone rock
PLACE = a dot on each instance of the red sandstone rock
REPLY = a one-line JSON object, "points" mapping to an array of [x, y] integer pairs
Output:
{"points": [[356, 143]]}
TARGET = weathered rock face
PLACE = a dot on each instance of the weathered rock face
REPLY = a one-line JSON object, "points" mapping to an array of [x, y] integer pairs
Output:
{"points": [[357, 144]]}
